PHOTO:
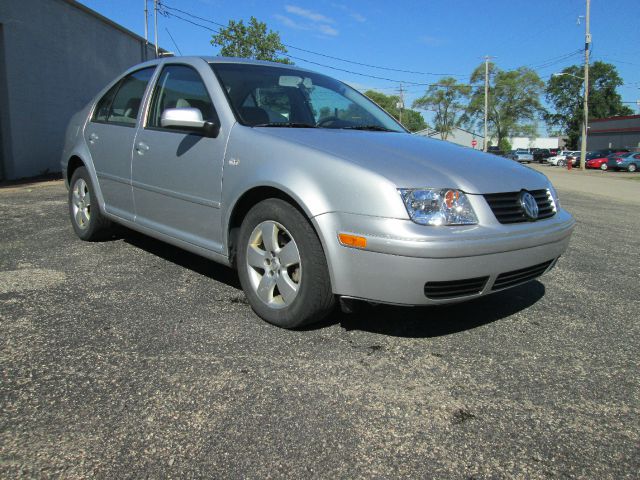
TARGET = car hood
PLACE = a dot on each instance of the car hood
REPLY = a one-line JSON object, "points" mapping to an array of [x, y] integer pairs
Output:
{"points": [[411, 161]]}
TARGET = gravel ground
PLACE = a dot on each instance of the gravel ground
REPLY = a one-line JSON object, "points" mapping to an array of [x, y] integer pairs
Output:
{"points": [[130, 358]]}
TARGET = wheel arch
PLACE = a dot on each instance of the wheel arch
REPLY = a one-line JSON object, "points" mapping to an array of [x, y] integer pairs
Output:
{"points": [[247, 201], [73, 164]]}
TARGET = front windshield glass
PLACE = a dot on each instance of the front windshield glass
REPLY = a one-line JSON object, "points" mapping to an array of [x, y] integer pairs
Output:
{"points": [[262, 95]]}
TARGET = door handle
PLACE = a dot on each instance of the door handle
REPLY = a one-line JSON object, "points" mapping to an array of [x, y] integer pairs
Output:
{"points": [[93, 137], [142, 147]]}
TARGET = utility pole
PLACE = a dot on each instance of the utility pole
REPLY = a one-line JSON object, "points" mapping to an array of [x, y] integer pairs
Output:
{"points": [[585, 108], [146, 23], [486, 102], [155, 21], [401, 103], [146, 30]]}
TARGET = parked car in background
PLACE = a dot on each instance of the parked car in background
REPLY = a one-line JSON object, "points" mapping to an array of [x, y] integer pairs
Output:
{"points": [[602, 162], [306, 187], [495, 150], [541, 154], [560, 156], [520, 155], [596, 154], [629, 161], [574, 158]]}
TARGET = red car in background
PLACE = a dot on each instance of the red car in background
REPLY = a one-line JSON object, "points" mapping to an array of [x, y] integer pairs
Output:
{"points": [[601, 162]]}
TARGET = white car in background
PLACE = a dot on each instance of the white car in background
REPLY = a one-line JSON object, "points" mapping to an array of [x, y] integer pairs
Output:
{"points": [[561, 158]]}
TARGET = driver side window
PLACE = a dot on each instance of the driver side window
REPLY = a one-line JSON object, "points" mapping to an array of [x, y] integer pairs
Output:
{"points": [[179, 86]]}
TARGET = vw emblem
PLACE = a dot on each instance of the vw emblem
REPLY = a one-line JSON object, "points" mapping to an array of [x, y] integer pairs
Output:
{"points": [[529, 205]]}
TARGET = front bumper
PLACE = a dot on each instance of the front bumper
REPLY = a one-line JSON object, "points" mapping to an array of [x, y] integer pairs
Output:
{"points": [[400, 259]]}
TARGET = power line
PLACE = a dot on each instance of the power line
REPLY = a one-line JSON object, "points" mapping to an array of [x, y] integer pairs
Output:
{"points": [[168, 11], [390, 69], [174, 42], [293, 57], [543, 64]]}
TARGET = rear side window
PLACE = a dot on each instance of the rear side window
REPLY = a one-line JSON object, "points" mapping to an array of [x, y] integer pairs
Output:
{"points": [[121, 104], [180, 86], [101, 112]]}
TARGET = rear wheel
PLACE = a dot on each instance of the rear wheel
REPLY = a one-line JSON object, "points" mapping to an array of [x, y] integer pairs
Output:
{"points": [[282, 266], [632, 167], [86, 217]]}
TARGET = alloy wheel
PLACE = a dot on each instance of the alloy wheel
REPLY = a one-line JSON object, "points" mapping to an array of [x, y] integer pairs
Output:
{"points": [[273, 264], [81, 203]]}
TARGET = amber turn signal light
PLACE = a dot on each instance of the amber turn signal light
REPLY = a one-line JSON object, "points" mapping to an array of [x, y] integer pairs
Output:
{"points": [[352, 240]]}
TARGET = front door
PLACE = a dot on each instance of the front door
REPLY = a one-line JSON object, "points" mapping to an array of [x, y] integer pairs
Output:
{"points": [[177, 174], [110, 135]]}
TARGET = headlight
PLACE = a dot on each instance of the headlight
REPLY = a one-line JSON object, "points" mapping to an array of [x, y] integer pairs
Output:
{"points": [[438, 206]]}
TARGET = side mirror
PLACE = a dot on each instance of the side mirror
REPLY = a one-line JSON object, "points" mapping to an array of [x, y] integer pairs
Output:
{"points": [[189, 119]]}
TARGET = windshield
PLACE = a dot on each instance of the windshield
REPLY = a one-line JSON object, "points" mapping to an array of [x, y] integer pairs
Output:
{"points": [[266, 96]]}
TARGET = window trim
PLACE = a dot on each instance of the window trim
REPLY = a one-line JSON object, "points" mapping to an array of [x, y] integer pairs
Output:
{"points": [[119, 85], [147, 113]]}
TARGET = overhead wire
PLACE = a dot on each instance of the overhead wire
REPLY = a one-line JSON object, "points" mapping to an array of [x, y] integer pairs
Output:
{"points": [[169, 11], [362, 64]]}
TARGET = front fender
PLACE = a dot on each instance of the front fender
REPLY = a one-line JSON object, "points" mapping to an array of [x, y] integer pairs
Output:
{"points": [[317, 181]]}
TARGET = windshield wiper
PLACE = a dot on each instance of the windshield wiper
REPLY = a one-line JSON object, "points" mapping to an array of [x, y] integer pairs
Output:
{"points": [[373, 128], [286, 125]]}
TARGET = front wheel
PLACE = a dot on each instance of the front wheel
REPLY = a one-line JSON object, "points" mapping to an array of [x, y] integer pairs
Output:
{"points": [[282, 267], [604, 166]]}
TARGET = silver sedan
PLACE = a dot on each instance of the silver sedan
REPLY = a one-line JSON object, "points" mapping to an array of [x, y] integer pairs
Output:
{"points": [[308, 188]]}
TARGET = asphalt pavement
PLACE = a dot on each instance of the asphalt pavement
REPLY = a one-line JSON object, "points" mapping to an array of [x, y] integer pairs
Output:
{"points": [[133, 359]]}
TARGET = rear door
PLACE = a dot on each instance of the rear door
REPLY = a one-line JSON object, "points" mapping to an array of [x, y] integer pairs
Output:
{"points": [[177, 174], [110, 135]]}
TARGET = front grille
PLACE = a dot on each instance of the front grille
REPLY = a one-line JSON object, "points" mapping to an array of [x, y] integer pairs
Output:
{"points": [[515, 277], [454, 288], [507, 208]]}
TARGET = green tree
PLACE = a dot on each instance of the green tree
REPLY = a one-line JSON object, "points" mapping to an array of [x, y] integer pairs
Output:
{"points": [[411, 119], [565, 93], [514, 102], [250, 41], [446, 99]]}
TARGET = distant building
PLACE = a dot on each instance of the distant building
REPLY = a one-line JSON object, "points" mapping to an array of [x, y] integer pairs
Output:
{"points": [[55, 55], [458, 136], [537, 142], [614, 132]]}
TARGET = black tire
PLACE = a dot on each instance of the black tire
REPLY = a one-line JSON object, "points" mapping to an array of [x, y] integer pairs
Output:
{"points": [[91, 225], [314, 299], [632, 167], [562, 163]]}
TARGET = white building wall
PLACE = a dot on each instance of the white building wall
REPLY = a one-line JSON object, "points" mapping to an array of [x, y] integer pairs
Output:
{"points": [[539, 142]]}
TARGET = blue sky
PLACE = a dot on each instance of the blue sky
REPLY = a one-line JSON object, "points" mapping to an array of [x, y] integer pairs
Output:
{"points": [[430, 36]]}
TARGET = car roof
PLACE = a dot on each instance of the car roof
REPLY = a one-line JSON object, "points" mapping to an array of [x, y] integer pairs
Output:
{"points": [[220, 60]]}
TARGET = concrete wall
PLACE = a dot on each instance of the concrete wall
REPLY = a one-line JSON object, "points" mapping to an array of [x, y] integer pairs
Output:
{"points": [[628, 140], [56, 55], [457, 136], [464, 138], [615, 132]]}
